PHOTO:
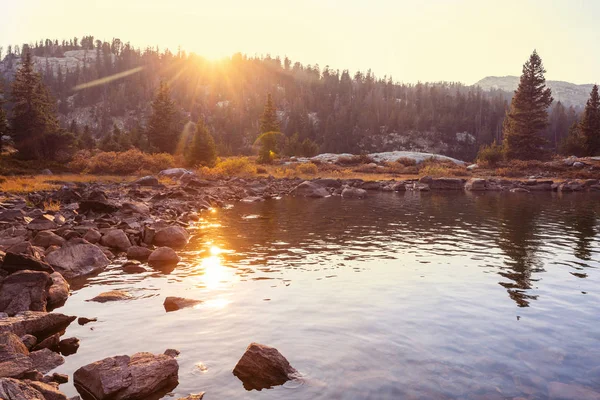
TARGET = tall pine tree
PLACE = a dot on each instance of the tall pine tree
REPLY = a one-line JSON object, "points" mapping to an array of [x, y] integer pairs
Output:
{"points": [[590, 123], [163, 131], [528, 115], [203, 150], [3, 122], [268, 121], [33, 121]]}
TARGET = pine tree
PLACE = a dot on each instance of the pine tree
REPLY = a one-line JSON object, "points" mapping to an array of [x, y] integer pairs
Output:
{"points": [[590, 123], [268, 121], [86, 140], [203, 150], [162, 126], [528, 114], [3, 122], [33, 120], [574, 143]]}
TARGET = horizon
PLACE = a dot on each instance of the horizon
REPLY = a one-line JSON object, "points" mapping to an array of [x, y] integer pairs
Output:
{"points": [[445, 34]]}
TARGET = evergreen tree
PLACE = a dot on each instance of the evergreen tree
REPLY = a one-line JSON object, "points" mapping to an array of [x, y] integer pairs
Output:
{"points": [[574, 144], [590, 123], [162, 126], [203, 150], [528, 114], [3, 122], [33, 119], [86, 140], [268, 121]]}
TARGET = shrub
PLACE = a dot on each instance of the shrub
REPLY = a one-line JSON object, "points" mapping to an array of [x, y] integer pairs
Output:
{"points": [[490, 155], [307, 168], [236, 166], [128, 162], [355, 160], [407, 162]]}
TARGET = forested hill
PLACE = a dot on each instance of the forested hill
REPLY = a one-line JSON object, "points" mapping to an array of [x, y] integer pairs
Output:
{"points": [[341, 112]]}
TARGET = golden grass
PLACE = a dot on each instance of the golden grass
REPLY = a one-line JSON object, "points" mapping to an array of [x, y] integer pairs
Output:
{"points": [[27, 184], [51, 205]]}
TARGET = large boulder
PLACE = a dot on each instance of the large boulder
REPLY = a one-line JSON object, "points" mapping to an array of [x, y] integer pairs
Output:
{"points": [[163, 256], [48, 390], [309, 189], [46, 360], [24, 291], [262, 367], [147, 181], [354, 193], [77, 259], [177, 303], [14, 262], [13, 389], [138, 253], [37, 323], [59, 291], [127, 378], [172, 236], [41, 223], [116, 239], [14, 356], [46, 239]]}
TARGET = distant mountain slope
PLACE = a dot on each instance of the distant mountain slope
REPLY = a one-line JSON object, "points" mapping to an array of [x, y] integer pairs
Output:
{"points": [[568, 93]]}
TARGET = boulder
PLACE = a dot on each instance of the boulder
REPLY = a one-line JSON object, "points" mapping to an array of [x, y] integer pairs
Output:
{"points": [[113, 295], [12, 215], [135, 208], [42, 223], [172, 352], [48, 390], [177, 303], [148, 180], [14, 262], [24, 291], [133, 268], [56, 377], [51, 342], [476, 184], [36, 323], [262, 367], [77, 259], [92, 236], [172, 236], [98, 206], [127, 378], [354, 193], [309, 189], [14, 356], [68, 346], [163, 256], [59, 291], [138, 253], [116, 239], [327, 182], [84, 321], [371, 185], [13, 389], [46, 239], [399, 186], [29, 341], [46, 360]]}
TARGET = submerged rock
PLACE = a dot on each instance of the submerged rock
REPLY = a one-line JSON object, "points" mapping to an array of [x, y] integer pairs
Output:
{"points": [[177, 303], [127, 378], [309, 189], [77, 259], [138, 253], [113, 295], [262, 367], [163, 256], [171, 236], [24, 291], [354, 193]]}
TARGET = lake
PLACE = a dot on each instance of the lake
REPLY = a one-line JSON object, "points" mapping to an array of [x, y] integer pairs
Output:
{"points": [[436, 295]]}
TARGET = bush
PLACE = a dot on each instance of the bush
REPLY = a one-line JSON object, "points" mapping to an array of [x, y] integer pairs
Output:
{"points": [[407, 162], [490, 155], [355, 160], [236, 166], [128, 162], [307, 168]]}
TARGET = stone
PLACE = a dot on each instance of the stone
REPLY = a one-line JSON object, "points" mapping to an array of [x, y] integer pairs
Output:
{"points": [[14, 262], [58, 378], [148, 180], [354, 193], [262, 367], [48, 390], [172, 236], [14, 356], [24, 291], [399, 187], [41, 224], [59, 290], [29, 341], [138, 253], [25, 248], [327, 182], [37, 323], [68, 346], [46, 239], [12, 215], [172, 352], [476, 184], [163, 256], [447, 184], [13, 389], [131, 267], [46, 360], [51, 342], [116, 239], [127, 378], [113, 295], [371, 185], [177, 303], [92, 236], [77, 259], [84, 320], [309, 189], [135, 208]]}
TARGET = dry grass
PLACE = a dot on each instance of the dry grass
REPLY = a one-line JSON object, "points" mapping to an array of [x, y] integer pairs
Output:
{"points": [[51, 205], [27, 184]]}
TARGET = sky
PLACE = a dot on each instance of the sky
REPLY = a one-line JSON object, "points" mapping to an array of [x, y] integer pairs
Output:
{"points": [[410, 40]]}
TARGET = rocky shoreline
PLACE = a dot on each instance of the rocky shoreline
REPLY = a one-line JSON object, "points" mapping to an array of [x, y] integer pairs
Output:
{"points": [[45, 249]]}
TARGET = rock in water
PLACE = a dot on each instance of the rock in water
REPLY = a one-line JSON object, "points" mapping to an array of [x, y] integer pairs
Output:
{"points": [[310, 189], [127, 378], [138, 253], [171, 236], [198, 396], [163, 256], [14, 356], [14, 262], [177, 303], [113, 295], [116, 239], [59, 291], [24, 291], [77, 259], [354, 193], [36, 323], [262, 367]]}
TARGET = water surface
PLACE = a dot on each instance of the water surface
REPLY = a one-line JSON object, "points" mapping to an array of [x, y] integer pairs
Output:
{"points": [[412, 296]]}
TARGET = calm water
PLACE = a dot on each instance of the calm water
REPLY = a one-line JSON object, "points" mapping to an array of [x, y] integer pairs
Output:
{"points": [[403, 296]]}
